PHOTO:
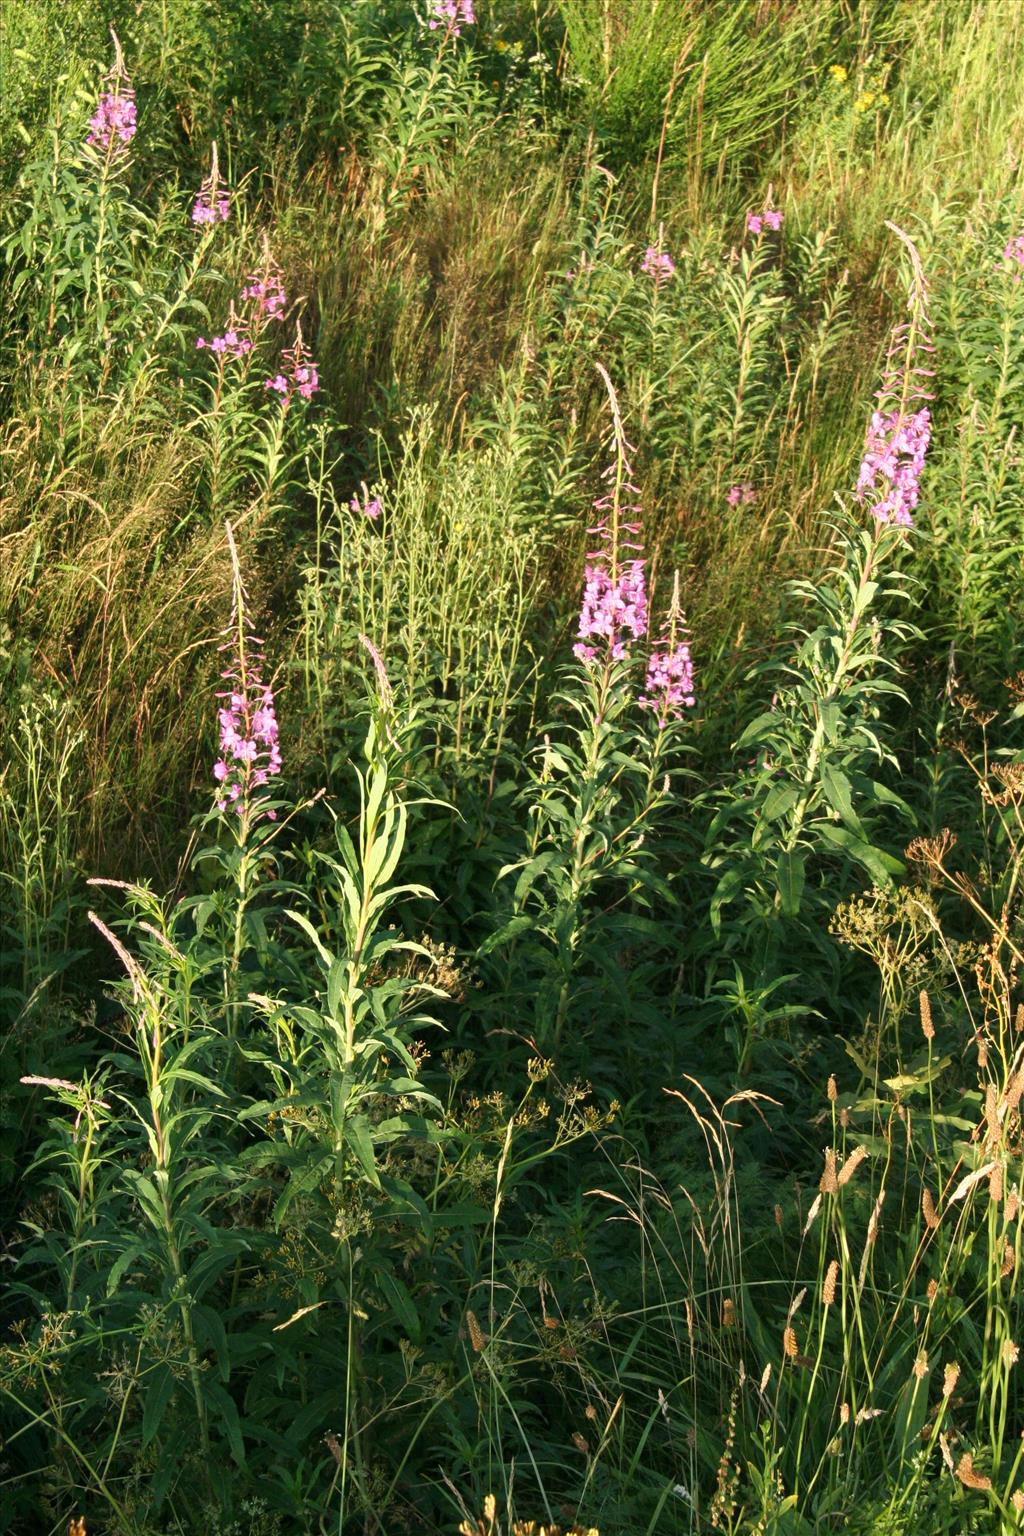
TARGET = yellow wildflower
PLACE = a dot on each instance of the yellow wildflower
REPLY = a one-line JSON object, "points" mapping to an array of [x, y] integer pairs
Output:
{"points": [[837, 72], [864, 101]]}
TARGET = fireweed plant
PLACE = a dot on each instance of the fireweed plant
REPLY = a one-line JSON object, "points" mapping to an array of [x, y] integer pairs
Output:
{"points": [[246, 435], [586, 879], [808, 800]]}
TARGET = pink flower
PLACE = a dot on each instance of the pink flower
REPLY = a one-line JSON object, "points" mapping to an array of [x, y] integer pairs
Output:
{"points": [[233, 343], [301, 377], [1013, 252], [668, 686], [744, 493], [893, 459], [113, 124], [250, 754], [657, 264], [264, 290], [451, 15], [212, 205], [614, 604], [768, 218], [370, 507]]}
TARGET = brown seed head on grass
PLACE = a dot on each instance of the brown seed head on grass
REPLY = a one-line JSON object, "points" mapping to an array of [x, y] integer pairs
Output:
{"points": [[967, 1475], [789, 1344], [833, 1088], [1011, 1354], [993, 1124], [828, 1289], [476, 1336], [828, 1183], [1009, 1263], [851, 1164], [927, 1027], [931, 1215], [950, 1377], [920, 1367]]}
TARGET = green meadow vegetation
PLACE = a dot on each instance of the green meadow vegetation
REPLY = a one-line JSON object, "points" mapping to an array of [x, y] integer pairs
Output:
{"points": [[512, 787]]}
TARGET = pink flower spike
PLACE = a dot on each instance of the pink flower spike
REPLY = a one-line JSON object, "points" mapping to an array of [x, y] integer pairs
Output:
{"points": [[657, 264], [249, 752], [668, 687], [754, 223]]}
